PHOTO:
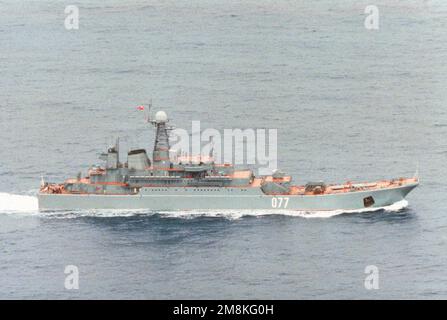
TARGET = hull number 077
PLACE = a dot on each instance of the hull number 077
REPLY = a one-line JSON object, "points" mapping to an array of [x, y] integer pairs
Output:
{"points": [[280, 202]]}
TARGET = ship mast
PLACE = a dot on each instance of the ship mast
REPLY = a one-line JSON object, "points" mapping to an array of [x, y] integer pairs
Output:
{"points": [[160, 156]]}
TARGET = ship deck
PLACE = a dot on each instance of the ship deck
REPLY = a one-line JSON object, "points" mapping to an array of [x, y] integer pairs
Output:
{"points": [[294, 189], [355, 187]]}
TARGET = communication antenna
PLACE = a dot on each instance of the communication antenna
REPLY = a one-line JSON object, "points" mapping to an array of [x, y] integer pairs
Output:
{"points": [[211, 154], [148, 112], [117, 148], [416, 174]]}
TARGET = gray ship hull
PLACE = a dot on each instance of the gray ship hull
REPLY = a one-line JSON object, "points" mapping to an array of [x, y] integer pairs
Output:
{"points": [[167, 199]]}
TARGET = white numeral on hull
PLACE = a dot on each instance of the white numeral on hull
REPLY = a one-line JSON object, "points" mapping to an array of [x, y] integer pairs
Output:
{"points": [[279, 202]]}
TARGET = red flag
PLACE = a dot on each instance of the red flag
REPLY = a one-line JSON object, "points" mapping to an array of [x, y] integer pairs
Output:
{"points": [[141, 108]]}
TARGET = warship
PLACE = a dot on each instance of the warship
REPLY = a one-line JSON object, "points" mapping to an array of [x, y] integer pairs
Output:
{"points": [[188, 183]]}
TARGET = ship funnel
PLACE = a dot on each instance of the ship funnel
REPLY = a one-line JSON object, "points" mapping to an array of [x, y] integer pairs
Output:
{"points": [[138, 160]]}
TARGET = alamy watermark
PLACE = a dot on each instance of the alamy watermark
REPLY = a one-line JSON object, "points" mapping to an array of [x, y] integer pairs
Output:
{"points": [[372, 18], [236, 146], [372, 279], [71, 21], [72, 277]]}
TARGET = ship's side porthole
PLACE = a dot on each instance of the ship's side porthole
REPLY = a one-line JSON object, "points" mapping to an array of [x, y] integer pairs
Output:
{"points": [[368, 201]]}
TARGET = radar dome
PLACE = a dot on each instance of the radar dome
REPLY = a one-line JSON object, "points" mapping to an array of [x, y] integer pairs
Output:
{"points": [[161, 116]]}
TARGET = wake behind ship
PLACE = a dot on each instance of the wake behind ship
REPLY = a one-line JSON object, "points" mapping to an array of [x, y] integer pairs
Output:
{"points": [[198, 183]]}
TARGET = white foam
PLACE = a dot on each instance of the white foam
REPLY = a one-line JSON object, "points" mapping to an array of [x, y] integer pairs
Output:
{"points": [[17, 203], [99, 213], [237, 214]]}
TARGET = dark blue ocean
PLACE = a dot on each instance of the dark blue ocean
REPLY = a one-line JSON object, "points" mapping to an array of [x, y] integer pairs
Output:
{"points": [[349, 104]]}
